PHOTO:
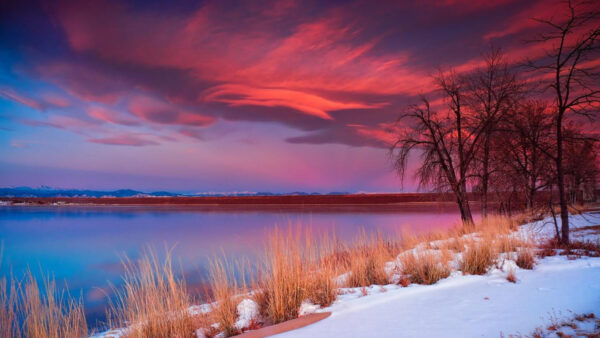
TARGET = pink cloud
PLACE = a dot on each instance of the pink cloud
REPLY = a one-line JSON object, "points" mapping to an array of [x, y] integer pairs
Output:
{"points": [[385, 133], [157, 111], [110, 115], [56, 100], [123, 140], [64, 122], [12, 95]]}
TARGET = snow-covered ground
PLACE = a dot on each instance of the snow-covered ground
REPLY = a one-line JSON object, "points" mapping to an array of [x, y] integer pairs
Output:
{"points": [[473, 306]]}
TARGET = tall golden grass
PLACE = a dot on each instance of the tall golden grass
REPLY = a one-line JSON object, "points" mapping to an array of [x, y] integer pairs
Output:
{"points": [[424, 266], [152, 301], [478, 256], [367, 260], [224, 288], [31, 310]]}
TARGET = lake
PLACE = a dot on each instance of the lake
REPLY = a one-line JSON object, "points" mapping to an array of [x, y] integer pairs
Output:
{"points": [[83, 245]]}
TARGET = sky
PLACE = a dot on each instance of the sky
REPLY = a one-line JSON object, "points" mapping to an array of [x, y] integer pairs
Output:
{"points": [[229, 96]]}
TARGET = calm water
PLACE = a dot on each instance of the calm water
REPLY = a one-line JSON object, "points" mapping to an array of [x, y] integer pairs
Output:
{"points": [[83, 245]]}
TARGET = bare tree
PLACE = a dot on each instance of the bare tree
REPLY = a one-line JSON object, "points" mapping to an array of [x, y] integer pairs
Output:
{"points": [[447, 146], [580, 164], [492, 91], [571, 75], [516, 150]]}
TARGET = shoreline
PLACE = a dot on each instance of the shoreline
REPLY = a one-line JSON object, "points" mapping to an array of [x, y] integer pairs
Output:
{"points": [[285, 200]]}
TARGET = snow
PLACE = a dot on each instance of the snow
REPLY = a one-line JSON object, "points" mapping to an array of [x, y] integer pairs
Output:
{"points": [[248, 312], [307, 308], [473, 306]]}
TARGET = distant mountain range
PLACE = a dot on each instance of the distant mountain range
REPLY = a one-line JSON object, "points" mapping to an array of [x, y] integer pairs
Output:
{"points": [[44, 191]]}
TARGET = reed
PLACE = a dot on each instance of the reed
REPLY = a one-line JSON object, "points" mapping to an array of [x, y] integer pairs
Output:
{"points": [[225, 288], [9, 326], [367, 261], [282, 281], [33, 310], [324, 267], [152, 301], [424, 266]]}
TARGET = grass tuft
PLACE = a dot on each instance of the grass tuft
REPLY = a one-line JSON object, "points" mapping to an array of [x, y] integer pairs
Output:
{"points": [[511, 276], [478, 257], [426, 267], [525, 258], [367, 261], [224, 288]]}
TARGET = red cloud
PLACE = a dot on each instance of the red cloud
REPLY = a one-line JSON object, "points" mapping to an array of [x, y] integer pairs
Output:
{"points": [[233, 52], [240, 95]]}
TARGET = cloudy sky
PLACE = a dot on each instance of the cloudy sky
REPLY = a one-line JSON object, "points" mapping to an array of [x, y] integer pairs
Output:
{"points": [[230, 96]]}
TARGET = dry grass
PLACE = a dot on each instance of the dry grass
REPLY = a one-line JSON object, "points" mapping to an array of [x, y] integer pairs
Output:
{"points": [[574, 249], [511, 276], [224, 288], [423, 267], [507, 243], [478, 256], [495, 225], [321, 286], [525, 258], [152, 301], [8, 317], [282, 283], [31, 310], [367, 261]]}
